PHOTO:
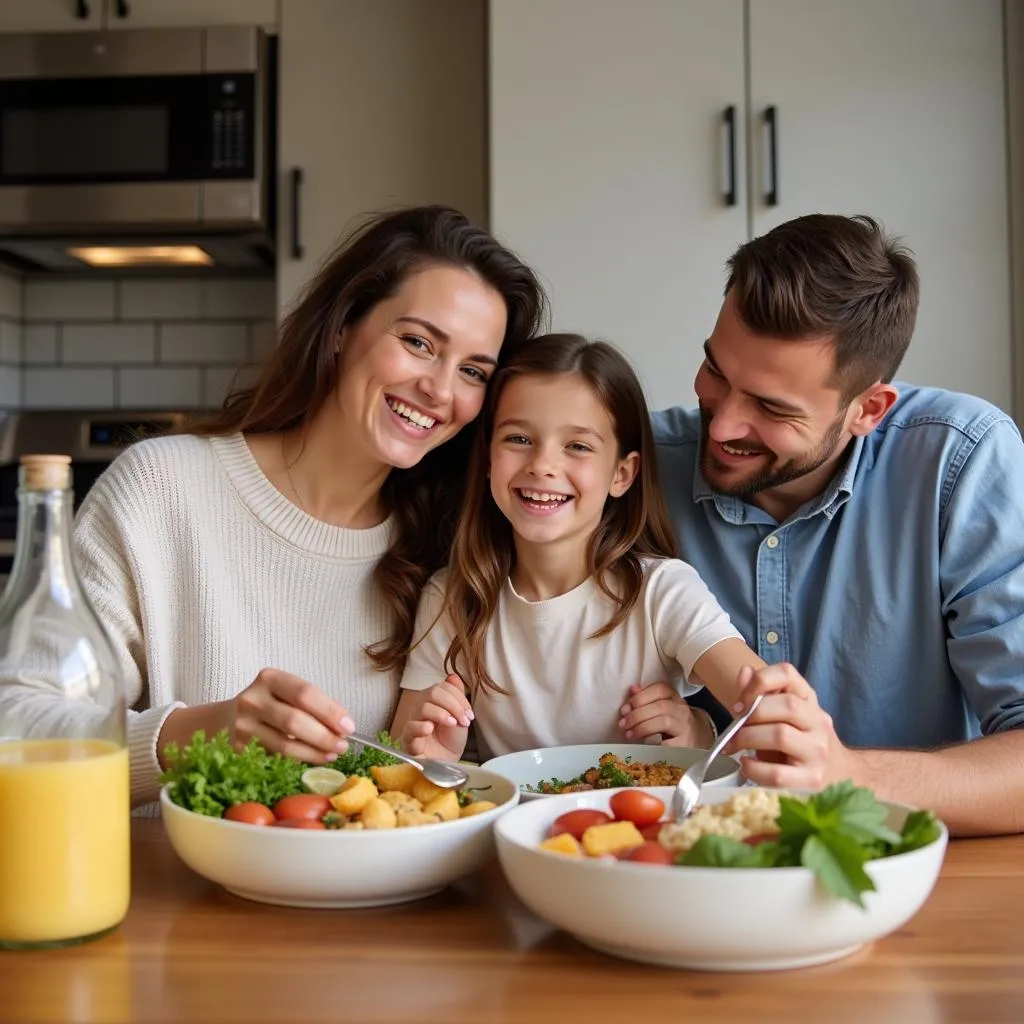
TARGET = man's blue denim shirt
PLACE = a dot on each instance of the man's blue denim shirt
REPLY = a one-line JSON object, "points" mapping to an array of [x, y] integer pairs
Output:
{"points": [[898, 592]]}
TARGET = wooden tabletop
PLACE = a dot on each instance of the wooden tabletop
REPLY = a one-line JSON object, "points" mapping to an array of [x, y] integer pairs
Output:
{"points": [[188, 952]]}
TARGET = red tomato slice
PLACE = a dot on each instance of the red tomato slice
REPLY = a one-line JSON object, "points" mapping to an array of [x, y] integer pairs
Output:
{"points": [[636, 806], [300, 823], [577, 822], [653, 831], [251, 813], [302, 805], [650, 853]]}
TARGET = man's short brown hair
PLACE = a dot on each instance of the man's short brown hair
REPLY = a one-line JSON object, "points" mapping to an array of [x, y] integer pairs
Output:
{"points": [[827, 276]]}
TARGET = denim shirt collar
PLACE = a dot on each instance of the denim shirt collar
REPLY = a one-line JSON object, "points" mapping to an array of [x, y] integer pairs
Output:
{"points": [[828, 503]]}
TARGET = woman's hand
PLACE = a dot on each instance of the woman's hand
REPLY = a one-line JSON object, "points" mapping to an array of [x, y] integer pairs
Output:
{"points": [[288, 715], [436, 721], [658, 709], [793, 735]]}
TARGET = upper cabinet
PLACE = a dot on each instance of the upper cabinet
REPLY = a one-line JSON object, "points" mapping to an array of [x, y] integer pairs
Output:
{"points": [[619, 166], [75, 15], [380, 105]]}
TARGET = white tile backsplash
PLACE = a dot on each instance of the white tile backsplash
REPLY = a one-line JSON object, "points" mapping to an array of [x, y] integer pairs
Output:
{"points": [[204, 343], [69, 300], [39, 344], [159, 387], [239, 300], [217, 380], [10, 387], [10, 295], [161, 300], [68, 388], [110, 344], [10, 342], [264, 338]]}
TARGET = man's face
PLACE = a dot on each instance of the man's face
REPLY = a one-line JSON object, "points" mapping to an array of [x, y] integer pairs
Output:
{"points": [[771, 418]]}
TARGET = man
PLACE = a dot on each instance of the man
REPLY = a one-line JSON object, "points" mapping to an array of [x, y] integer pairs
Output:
{"points": [[865, 535]]}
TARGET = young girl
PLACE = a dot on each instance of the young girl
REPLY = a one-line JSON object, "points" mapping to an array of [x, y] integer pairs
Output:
{"points": [[561, 589]]}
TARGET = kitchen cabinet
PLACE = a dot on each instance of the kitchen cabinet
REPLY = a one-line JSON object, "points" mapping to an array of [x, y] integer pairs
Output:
{"points": [[380, 105], [611, 150], [76, 15]]}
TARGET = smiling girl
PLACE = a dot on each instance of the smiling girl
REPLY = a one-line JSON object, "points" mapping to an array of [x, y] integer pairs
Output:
{"points": [[561, 589]]}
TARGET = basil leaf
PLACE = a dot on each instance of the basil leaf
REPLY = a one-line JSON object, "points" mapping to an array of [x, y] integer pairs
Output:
{"points": [[838, 863]]}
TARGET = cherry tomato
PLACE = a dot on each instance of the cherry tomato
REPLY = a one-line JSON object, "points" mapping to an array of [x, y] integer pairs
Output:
{"points": [[636, 806], [251, 812], [758, 838], [577, 822], [650, 853], [653, 831], [302, 805], [300, 823]]}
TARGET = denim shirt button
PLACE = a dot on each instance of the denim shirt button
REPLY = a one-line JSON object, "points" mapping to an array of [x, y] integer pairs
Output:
{"points": [[771, 636], [772, 541]]}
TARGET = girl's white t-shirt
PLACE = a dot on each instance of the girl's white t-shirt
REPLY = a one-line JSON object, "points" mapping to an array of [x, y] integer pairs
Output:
{"points": [[565, 688]]}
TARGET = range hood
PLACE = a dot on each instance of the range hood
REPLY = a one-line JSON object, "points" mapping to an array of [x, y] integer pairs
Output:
{"points": [[138, 151]]}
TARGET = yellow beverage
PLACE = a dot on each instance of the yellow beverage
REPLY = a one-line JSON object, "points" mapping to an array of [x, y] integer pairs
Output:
{"points": [[64, 839]]}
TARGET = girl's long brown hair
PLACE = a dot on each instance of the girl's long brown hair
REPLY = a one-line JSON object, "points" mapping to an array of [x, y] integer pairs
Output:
{"points": [[301, 373], [633, 526]]}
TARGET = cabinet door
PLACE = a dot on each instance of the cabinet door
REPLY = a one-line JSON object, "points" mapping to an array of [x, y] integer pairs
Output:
{"points": [[50, 15], [608, 167], [381, 104], [896, 109], [133, 14]]}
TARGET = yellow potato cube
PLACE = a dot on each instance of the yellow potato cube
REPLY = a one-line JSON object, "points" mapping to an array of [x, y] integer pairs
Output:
{"points": [[357, 792], [400, 800], [392, 778], [476, 807], [611, 838], [425, 791], [378, 814], [564, 844], [409, 819], [445, 806]]}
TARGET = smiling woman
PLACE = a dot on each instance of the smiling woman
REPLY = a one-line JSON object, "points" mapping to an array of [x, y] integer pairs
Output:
{"points": [[260, 573]]}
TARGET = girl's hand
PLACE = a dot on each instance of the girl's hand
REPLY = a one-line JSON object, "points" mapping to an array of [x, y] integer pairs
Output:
{"points": [[658, 709], [439, 726], [793, 735]]}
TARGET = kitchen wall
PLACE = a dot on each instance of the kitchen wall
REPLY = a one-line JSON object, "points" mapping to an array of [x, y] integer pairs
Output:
{"points": [[129, 343]]}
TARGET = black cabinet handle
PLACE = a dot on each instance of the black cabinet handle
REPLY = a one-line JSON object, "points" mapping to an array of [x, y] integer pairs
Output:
{"points": [[122, 8], [729, 118], [82, 9], [298, 250], [771, 197]]}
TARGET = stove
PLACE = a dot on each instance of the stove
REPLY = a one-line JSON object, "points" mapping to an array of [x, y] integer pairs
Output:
{"points": [[92, 439]]}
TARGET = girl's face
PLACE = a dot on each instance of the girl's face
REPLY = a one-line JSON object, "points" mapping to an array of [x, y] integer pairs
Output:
{"points": [[555, 459], [414, 370]]}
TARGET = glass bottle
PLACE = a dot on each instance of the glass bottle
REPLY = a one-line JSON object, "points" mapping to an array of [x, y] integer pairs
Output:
{"points": [[64, 784]]}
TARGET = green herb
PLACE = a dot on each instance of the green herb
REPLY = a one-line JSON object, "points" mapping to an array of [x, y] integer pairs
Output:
{"points": [[834, 833], [610, 775], [360, 763], [209, 776]]}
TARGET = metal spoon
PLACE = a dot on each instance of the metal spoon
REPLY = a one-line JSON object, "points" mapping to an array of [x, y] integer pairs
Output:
{"points": [[687, 791], [444, 774]]}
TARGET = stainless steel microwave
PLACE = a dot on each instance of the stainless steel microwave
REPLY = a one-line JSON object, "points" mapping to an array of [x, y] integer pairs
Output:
{"points": [[146, 137]]}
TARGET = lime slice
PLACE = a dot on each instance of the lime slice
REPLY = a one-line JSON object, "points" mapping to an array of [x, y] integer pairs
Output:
{"points": [[324, 781]]}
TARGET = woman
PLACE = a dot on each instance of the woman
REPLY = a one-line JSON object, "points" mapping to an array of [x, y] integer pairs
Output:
{"points": [[261, 572]]}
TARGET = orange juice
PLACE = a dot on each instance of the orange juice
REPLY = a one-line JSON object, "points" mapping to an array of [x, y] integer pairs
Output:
{"points": [[64, 839]]}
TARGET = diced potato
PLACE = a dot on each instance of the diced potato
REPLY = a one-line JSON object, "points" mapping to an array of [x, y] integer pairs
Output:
{"points": [[409, 819], [378, 814], [357, 792], [353, 826], [395, 778], [476, 807], [563, 843], [445, 806], [425, 791], [400, 800], [611, 838]]}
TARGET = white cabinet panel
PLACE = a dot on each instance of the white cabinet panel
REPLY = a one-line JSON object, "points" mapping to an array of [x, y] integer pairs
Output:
{"points": [[895, 108], [607, 167], [49, 15]]}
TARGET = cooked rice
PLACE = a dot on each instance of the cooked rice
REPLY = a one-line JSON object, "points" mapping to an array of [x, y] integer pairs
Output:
{"points": [[752, 812]]}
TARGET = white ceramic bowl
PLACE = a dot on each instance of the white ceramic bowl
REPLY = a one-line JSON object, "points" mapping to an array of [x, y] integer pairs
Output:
{"points": [[335, 868], [715, 919], [528, 767]]}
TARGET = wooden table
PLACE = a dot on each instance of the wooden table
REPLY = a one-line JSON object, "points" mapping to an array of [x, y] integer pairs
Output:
{"points": [[189, 952]]}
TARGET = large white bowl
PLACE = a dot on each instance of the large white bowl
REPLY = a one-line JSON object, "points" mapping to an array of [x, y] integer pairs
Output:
{"points": [[528, 767], [714, 919], [336, 868]]}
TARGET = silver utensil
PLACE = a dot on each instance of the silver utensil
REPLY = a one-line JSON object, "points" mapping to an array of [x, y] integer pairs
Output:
{"points": [[441, 773], [687, 791]]}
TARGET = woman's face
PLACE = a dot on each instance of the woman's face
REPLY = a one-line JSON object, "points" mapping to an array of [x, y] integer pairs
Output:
{"points": [[414, 370]]}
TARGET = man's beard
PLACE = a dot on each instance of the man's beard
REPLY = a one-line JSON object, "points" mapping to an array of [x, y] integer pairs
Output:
{"points": [[775, 473]]}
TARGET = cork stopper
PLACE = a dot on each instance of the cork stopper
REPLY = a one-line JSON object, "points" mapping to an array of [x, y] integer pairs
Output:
{"points": [[46, 472]]}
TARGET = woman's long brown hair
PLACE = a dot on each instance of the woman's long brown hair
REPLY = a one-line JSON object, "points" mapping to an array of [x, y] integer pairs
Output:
{"points": [[301, 373], [632, 527]]}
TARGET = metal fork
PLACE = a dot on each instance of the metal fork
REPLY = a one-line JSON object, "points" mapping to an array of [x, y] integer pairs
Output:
{"points": [[441, 773], [687, 791]]}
